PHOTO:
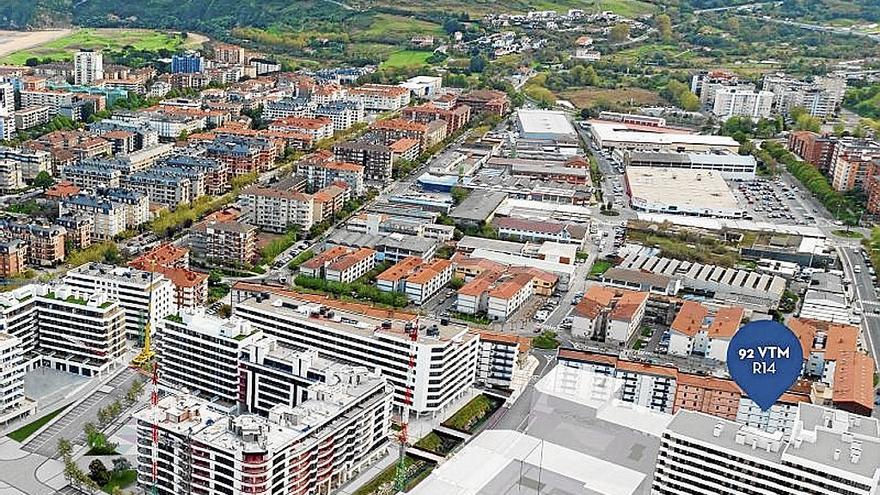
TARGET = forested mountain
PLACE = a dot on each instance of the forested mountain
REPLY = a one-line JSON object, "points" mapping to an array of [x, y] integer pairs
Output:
{"points": [[208, 16]]}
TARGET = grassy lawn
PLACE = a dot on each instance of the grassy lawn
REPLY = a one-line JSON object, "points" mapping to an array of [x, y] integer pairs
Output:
{"points": [[851, 234], [406, 58], [105, 39], [29, 429], [398, 27], [121, 479], [416, 472], [600, 267], [430, 442], [472, 414], [591, 96]]}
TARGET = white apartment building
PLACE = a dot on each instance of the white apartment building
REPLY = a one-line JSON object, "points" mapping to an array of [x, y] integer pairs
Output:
{"points": [[697, 331], [135, 204], [499, 358], [18, 309], [272, 374], [88, 67], [200, 356], [445, 356], [161, 189], [80, 335], [380, 97], [108, 219], [47, 98], [607, 314], [31, 162], [626, 317], [821, 97], [314, 448], [321, 174], [343, 114], [10, 176], [92, 175], [350, 267], [276, 210], [143, 295], [733, 101], [13, 403], [31, 117], [316, 127], [830, 452], [7, 126], [508, 295], [420, 281], [428, 281], [7, 98]]}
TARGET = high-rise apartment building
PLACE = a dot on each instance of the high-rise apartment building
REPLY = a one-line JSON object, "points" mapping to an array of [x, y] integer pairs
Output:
{"points": [[445, 354], [88, 67], [338, 429], [200, 355], [731, 102], [135, 290], [80, 335], [830, 452]]}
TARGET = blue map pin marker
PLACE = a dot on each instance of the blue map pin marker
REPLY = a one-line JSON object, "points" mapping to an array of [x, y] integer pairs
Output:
{"points": [[765, 358]]}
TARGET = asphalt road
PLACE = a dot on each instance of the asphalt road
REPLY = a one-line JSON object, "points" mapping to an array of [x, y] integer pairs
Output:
{"points": [[864, 292]]}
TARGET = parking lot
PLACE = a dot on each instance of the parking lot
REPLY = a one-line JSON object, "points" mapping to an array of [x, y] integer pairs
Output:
{"points": [[772, 200]]}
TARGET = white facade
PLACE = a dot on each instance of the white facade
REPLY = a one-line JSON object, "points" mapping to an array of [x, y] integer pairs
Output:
{"points": [[276, 210], [830, 452], [732, 101], [508, 296], [80, 335], [200, 355], [13, 403], [88, 67], [364, 340], [339, 430], [136, 290]]}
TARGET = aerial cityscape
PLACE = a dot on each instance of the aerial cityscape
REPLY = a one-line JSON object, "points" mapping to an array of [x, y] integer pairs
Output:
{"points": [[356, 247]]}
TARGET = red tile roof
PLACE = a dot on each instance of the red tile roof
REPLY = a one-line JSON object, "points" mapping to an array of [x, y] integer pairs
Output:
{"points": [[594, 301], [726, 322], [628, 304], [854, 379], [690, 318]]}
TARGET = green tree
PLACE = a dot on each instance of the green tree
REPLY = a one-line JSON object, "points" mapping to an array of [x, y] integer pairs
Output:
{"points": [[664, 26], [806, 122], [98, 472], [43, 180], [458, 194], [619, 33], [478, 63]]}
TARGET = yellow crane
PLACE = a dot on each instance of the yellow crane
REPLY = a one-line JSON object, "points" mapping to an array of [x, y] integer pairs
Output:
{"points": [[147, 354]]}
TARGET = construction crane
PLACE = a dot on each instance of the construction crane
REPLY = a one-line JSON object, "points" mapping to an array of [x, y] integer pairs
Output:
{"points": [[400, 476], [147, 354]]}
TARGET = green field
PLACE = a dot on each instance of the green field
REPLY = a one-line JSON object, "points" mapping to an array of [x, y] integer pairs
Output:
{"points": [[406, 58], [398, 28], [103, 39]]}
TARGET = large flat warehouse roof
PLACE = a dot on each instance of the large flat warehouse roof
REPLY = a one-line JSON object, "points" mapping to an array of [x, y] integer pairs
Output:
{"points": [[694, 189], [617, 133], [544, 122]]}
